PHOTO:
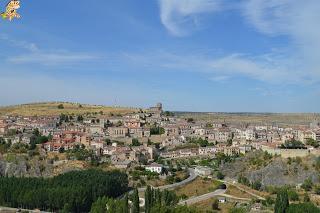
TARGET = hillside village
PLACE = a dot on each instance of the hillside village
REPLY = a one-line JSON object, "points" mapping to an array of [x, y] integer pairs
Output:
{"points": [[142, 137], [159, 148]]}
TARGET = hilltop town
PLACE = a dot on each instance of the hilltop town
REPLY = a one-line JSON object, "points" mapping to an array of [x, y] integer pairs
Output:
{"points": [[159, 148]]}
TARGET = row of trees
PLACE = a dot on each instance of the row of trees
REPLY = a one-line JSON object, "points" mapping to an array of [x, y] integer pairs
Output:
{"points": [[105, 204], [293, 144], [156, 130], [199, 141], [154, 199], [74, 191], [282, 204]]}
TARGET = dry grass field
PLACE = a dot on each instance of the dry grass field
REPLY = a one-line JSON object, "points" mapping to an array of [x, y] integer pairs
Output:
{"points": [[197, 187], [234, 191], [254, 118], [51, 108]]}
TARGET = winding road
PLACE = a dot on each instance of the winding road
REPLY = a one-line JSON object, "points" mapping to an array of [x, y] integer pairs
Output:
{"points": [[192, 176], [218, 192]]}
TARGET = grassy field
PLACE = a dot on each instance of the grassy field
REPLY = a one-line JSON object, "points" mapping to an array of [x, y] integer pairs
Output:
{"points": [[198, 187], [234, 191], [254, 118], [51, 108]]}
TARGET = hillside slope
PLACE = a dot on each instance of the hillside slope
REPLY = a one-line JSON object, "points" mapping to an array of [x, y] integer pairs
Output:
{"points": [[51, 108]]}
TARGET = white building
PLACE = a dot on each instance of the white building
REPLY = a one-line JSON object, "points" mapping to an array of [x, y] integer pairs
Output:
{"points": [[203, 171], [154, 167]]}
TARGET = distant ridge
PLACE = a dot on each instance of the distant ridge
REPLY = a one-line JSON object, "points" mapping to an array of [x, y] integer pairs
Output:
{"points": [[253, 117], [52, 108]]}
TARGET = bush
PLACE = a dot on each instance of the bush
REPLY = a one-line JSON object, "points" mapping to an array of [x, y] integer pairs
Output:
{"points": [[302, 208], [256, 185], [292, 144], [215, 204], [282, 201], [60, 106], [135, 142], [293, 195], [220, 176], [243, 180], [307, 184], [306, 197], [317, 189]]}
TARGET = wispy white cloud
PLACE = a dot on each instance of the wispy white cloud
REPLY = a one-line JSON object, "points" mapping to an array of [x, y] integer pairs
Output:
{"points": [[220, 78], [298, 20], [270, 68], [18, 43], [52, 58], [178, 16], [298, 62], [35, 55]]}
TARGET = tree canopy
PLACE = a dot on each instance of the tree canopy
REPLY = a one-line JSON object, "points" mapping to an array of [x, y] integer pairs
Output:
{"points": [[75, 190]]}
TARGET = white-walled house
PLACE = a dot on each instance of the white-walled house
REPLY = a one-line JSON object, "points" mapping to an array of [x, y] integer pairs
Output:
{"points": [[154, 167]]}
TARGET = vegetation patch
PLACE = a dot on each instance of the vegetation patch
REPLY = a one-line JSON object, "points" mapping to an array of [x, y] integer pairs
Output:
{"points": [[74, 191]]}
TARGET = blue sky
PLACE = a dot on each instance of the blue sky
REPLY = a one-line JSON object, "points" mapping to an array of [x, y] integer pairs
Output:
{"points": [[191, 55]]}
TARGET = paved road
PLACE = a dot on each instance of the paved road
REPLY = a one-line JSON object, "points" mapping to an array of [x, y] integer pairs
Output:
{"points": [[203, 197], [192, 176], [220, 192]]}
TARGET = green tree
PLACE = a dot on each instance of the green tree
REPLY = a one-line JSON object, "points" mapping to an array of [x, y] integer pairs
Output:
{"points": [[306, 197], [66, 208], [220, 176], [312, 142], [293, 195], [282, 201], [126, 204], [99, 206], [307, 184], [148, 199], [292, 144], [135, 142], [256, 185], [190, 120], [135, 202], [303, 208], [60, 106], [243, 180], [79, 118], [215, 204], [69, 192], [317, 189]]}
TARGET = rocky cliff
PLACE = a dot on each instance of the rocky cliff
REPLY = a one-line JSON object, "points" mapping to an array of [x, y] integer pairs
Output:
{"points": [[272, 172]]}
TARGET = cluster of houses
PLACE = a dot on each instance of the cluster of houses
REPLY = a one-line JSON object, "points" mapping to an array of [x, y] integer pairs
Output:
{"points": [[102, 133]]}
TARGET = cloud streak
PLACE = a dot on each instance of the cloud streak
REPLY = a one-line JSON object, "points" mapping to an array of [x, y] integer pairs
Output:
{"points": [[52, 58], [178, 16], [299, 62], [36, 55]]}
